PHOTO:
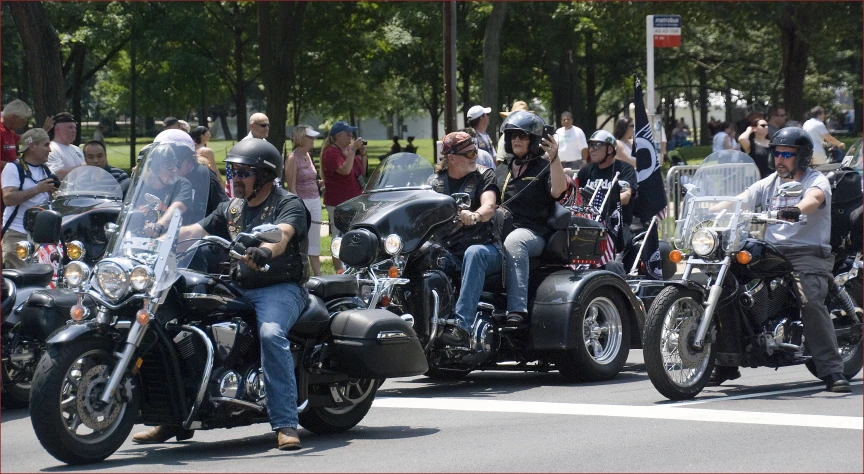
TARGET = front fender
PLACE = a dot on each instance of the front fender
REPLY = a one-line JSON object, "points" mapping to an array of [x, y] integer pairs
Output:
{"points": [[562, 294], [72, 332]]}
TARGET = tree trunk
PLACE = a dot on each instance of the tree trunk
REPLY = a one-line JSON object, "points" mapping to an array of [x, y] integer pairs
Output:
{"points": [[133, 109], [240, 82], [77, 85], [40, 40], [223, 119], [491, 66], [704, 132], [795, 55], [589, 117]]}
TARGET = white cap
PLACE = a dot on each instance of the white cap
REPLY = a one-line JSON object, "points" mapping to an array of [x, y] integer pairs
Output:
{"points": [[477, 111], [311, 133]]}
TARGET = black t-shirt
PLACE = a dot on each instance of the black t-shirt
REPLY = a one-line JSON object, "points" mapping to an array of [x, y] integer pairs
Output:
{"points": [[761, 155], [592, 175], [180, 191], [485, 182], [209, 191], [531, 207]]}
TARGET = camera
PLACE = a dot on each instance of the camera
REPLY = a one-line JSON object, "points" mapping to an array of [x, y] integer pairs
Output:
{"points": [[365, 142]]}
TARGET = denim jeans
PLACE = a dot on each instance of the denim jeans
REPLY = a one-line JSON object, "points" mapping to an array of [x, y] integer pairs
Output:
{"points": [[277, 308], [519, 246], [479, 262]]}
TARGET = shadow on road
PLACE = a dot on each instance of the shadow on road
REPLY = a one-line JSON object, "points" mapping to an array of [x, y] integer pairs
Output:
{"points": [[12, 414], [808, 389]]}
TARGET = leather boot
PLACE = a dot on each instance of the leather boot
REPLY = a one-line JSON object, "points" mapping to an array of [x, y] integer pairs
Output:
{"points": [[161, 434], [288, 439], [722, 374]]}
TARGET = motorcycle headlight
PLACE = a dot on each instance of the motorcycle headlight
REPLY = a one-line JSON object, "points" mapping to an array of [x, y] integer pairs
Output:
{"points": [[75, 250], [703, 242], [335, 246], [141, 278], [112, 279], [393, 244], [76, 274], [23, 249]]}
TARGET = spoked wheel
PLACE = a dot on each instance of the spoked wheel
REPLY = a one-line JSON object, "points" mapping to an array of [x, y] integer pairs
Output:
{"points": [[359, 392], [676, 369], [70, 421], [605, 337]]}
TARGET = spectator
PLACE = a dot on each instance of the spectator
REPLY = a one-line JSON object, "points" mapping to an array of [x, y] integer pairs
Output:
{"points": [[25, 185], [572, 144], [409, 147], [478, 119], [201, 136], [723, 139], [819, 133], [776, 119], [171, 123], [713, 126], [64, 156], [754, 141], [483, 157], [301, 178], [15, 116], [184, 125], [516, 107], [95, 154], [680, 135], [623, 134], [97, 135], [396, 147], [259, 126], [343, 161]]}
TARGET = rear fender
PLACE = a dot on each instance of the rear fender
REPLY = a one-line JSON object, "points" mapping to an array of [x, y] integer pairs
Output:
{"points": [[561, 295]]}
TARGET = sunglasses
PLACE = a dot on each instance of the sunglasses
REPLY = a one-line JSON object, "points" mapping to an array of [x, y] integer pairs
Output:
{"points": [[265, 125], [595, 145], [785, 154], [244, 173], [519, 135], [468, 154]]}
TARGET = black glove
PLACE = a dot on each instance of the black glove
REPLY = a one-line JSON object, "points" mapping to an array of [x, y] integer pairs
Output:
{"points": [[259, 255], [792, 214], [154, 230]]}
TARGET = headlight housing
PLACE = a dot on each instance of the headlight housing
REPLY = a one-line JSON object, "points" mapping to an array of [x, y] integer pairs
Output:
{"points": [[335, 246], [75, 250], [141, 278], [113, 279], [76, 274], [393, 244], [703, 242]]}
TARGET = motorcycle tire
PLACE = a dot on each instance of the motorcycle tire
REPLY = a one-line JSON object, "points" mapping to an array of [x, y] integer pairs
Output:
{"points": [[15, 394], [657, 337], [324, 420], [605, 325], [435, 373], [53, 387]]}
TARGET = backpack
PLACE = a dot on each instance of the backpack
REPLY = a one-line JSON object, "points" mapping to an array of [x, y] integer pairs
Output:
{"points": [[846, 196]]}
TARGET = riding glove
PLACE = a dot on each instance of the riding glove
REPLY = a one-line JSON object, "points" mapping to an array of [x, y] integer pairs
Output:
{"points": [[259, 255], [789, 214]]}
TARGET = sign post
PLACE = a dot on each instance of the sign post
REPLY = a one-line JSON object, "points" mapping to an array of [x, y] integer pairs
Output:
{"points": [[661, 31]]}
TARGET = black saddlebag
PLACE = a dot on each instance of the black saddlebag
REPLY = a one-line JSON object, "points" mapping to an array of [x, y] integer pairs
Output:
{"points": [[579, 243], [47, 310], [375, 343]]}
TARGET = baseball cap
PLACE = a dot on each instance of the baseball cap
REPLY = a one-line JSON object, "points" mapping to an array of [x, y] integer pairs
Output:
{"points": [[312, 133], [34, 135], [169, 121], [477, 111], [517, 106], [341, 126]]}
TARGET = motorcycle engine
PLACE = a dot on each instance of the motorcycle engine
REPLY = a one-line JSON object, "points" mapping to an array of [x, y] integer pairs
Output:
{"points": [[765, 299]]}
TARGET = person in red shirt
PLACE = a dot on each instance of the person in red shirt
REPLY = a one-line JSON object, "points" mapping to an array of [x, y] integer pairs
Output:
{"points": [[343, 161], [15, 117]]}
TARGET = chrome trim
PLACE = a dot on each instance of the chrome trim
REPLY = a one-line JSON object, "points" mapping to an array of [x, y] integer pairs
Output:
{"points": [[711, 304], [208, 367], [408, 319], [99, 299], [233, 401], [434, 332], [133, 339], [388, 337]]}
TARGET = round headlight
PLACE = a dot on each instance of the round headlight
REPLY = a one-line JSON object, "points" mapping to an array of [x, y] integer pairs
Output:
{"points": [[75, 250], [393, 244], [335, 246], [76, 274], [24, 249], [141, 278], [703, 242], [112, 280]]}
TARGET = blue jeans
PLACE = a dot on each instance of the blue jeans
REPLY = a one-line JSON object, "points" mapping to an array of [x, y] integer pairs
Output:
{"points": [[277, 308], [519, 246], [479, 262]]}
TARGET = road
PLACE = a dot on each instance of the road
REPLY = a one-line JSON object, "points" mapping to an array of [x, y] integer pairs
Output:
{"points": [[766, 421]]}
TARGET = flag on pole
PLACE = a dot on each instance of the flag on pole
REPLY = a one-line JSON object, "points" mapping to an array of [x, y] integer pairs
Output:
{"points": [[652, 194], [43, 255], [229, 183], [610, 217]]}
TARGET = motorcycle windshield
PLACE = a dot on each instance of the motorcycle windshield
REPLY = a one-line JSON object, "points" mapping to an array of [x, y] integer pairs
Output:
{"points": [[713, 203], [91, 182], [400, 171]]}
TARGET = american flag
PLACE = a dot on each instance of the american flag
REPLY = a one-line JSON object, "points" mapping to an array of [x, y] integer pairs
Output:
{"points": [[43, 255], [229, 180], [607, 245]]}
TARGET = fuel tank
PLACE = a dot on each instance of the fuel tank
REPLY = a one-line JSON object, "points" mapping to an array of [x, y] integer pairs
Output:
{"points": [[203, 294]]}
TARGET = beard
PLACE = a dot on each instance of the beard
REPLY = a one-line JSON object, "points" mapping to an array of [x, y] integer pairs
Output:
{"points": [[784, 173], [239, 189]]}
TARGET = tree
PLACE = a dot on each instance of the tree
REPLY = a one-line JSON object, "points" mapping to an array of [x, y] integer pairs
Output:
{"points": [[492, 61]]}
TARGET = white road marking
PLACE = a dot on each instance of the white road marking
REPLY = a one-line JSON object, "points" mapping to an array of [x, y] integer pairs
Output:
{"points": [[817, 388], [662, 412]]}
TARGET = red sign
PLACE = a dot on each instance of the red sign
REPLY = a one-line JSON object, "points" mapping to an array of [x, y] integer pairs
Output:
{"points": [[667, 41]]}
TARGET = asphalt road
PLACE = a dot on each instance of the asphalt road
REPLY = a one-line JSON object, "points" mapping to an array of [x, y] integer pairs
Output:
{"points": [[766, 421]]}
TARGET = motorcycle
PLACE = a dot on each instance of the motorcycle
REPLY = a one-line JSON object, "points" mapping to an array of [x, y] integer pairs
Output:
{"points": [[70, 227], [581, 322], [169, 345], [748, 309]]}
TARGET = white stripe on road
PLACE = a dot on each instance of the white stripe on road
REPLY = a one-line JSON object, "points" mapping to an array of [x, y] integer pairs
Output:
{"points": [[662, 412], [819, 387]]}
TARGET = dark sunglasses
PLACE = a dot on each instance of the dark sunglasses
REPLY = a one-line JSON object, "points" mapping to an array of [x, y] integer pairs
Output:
{"points": [[468, 154], [244, 173], [785, 154], [520, 135], [595, 145], [265, 125]]}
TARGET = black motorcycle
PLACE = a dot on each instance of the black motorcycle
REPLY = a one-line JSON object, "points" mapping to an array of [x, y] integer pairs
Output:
{"points": [[581, 322], [173, 346], [747, 315]]}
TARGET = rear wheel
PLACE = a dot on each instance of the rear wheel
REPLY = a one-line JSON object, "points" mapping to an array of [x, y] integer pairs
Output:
{"points": [[676, 369], [325, 420], [604, 335]]}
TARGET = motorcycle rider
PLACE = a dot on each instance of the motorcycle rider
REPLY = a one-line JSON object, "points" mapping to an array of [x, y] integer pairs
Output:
{"points": [[278, 295], [161, 180], [458, 172], [599, 172], [806, 243]]}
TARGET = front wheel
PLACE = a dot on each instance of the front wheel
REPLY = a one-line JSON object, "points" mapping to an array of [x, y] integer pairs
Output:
{"points": [[70, 421], [676, 369], [325, 420], [604, 340]]}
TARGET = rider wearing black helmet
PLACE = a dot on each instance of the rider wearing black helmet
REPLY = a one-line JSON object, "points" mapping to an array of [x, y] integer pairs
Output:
{"points": [[277, 295], [530, 158], [806, 243]]}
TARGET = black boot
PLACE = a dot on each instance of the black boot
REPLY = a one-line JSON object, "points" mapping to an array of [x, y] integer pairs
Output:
{"points": [[723, 373]]}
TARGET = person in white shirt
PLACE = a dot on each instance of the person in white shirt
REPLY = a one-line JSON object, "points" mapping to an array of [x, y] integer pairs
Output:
{"points": [[64, 156], [259, 126], [478, 119], [723, 139], [572, 144], [815, 126]]}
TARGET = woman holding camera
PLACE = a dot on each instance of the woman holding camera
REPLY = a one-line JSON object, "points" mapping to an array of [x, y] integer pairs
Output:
{"points": [[531, 179], [343, 162]]}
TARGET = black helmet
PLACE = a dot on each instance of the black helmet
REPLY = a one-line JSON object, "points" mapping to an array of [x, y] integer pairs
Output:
{"points": [[528, 123], [258, 154], [796, 138]]}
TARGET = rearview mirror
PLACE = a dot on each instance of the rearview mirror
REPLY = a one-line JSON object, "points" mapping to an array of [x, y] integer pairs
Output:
{"points": [[269, 233], [463, 200]]}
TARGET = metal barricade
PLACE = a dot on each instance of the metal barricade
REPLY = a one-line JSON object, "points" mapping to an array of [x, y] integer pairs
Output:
{"points": [[675, 197]]}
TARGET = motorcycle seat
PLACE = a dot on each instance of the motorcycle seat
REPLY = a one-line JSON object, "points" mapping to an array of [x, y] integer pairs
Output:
{"points": [[37, 274], [328, 287], [313, 320]]}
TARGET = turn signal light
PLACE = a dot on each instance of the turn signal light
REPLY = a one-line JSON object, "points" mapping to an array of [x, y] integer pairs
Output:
{"points": [[743, 257], [676, 256], [393, 272], [75, 250], [142, 316], [385, 301], [78, 312]]}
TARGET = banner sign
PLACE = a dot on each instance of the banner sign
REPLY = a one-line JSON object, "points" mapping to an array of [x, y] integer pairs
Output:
{"points": [[667, 31]]}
